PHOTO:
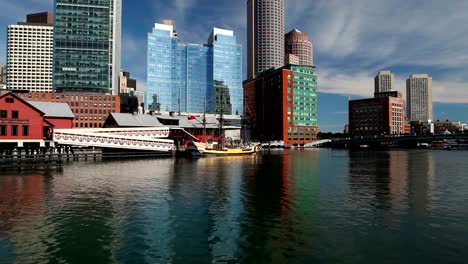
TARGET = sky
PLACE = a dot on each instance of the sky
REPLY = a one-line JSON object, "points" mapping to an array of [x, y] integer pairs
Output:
{"points": [[352, 40]]}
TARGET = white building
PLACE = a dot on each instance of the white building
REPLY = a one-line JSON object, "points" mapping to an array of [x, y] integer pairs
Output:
{"points": [[384, 81], [419, 97], [29, 57]]}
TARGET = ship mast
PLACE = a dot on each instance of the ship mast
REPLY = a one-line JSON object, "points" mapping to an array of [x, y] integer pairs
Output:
{"points": [[221, 134]]}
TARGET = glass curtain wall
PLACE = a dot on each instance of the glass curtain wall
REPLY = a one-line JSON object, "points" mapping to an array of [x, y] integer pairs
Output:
{"points": [[83, 46]]}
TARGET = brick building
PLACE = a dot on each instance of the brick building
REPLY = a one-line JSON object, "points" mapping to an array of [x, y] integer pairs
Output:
{"points": [[282, 105], [377, 116], [90, 109]]}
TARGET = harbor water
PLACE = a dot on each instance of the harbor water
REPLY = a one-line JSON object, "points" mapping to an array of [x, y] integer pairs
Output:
{"points": [[284, 206]]}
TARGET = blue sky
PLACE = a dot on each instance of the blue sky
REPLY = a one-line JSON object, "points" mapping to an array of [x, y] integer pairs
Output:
{"points": [[352, 40]]}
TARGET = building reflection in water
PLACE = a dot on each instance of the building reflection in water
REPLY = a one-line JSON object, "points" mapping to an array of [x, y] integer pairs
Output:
{"points": [[420, 183], [279, 204], [205, 208], [391, 180], [21, 207]]}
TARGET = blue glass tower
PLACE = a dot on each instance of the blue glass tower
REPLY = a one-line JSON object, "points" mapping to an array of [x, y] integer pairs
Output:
{"points": [[227, 66], [181, 77]]}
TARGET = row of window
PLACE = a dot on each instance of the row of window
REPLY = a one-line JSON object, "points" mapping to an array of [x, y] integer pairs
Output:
{"points": [[4, 113], [14, 130]]}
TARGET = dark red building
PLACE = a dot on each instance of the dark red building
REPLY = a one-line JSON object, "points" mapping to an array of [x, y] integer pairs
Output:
{"points": [[24, 121], [377, 116], [282, 105]]}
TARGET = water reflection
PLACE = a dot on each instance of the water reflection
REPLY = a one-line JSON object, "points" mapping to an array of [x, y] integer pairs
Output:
{"points": [[279, 208], [293, 206], [21, 208]]}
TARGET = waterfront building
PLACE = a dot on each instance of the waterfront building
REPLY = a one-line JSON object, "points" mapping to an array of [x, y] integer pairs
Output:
{"points": [[29, 53], [297, 43], [181, 77], [190, 122], [377, 116], [282, 105], [90, 109], [265, 35], [87, 46], [26, 123], [384, 81], [419, 97]]}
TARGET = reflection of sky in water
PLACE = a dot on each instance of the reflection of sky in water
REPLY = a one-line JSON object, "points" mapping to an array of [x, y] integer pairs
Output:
{"points": [[292, 206]]}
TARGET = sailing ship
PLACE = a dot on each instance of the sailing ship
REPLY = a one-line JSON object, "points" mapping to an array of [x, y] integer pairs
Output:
{"points": [[212, 148]]}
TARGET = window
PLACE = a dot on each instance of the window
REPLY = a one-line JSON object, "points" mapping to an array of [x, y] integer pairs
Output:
{"points": [[3, 114], [14, 130], [3, 130], [25, 130], [14, 114], [9, 100]]}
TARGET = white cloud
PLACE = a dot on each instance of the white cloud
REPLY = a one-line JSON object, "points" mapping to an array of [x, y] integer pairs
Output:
{"points": [[355, 39]]}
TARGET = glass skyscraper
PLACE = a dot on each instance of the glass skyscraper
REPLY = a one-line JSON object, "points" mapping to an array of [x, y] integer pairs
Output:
{"points": [[227, 66], [87, 44], [181, 77]]}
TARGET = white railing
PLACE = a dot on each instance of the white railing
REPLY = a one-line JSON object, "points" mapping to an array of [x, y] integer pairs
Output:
{"points": [[106, 138]]}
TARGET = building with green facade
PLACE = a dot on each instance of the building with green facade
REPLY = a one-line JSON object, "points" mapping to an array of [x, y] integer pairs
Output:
{"points": [[282, 104], [87, 44]]}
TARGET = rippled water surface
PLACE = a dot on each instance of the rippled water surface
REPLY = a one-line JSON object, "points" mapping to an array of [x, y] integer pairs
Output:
{"points": [[299, 206]]}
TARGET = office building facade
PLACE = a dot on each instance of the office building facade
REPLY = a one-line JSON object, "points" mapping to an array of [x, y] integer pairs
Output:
{"points": [[265, 35], [29, 54], [87, 46], [227, 68], [90, 109], [282, 105], [181, 77], [419, 97], [297, 44], [384, 81], [377, 116]]}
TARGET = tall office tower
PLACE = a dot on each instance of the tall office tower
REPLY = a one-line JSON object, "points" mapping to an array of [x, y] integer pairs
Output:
{"points": [[87, 45], [297, 43], [384, 81], [29, 54], [265, 35], [227, 68], [181, 77], [419, 97]]}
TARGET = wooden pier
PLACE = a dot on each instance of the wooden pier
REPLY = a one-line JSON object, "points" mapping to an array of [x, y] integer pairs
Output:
{"points": [[32, 159]]}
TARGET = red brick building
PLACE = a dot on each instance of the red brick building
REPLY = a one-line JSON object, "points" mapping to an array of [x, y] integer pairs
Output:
{"points": [[282, 105], [21, 120], [90, 110], [377, 116]]}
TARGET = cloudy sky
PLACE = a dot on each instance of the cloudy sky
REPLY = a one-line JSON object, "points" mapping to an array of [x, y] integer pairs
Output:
{"points": [[352, 40]]}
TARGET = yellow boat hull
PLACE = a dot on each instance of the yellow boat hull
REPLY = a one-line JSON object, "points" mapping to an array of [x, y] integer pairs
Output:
{"points": [[203, 151]]}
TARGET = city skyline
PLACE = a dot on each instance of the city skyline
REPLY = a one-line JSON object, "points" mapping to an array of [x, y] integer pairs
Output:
{"points": [[340, 34]]}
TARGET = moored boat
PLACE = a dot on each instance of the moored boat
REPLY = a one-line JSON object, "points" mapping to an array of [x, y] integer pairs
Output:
{"points": [[205, 149]]}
